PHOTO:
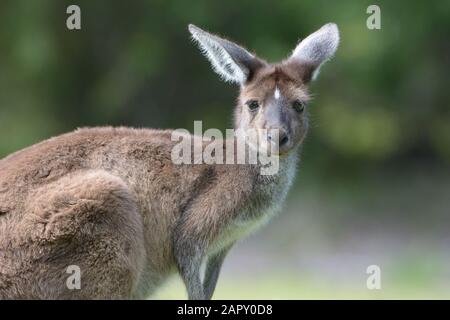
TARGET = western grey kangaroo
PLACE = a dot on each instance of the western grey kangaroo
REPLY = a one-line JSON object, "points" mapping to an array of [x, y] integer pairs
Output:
{"points": [[112, 202]]}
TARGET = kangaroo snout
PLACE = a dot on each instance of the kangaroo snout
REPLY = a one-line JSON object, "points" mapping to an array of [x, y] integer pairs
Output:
{"points": [[283, 139], [280, 139]]}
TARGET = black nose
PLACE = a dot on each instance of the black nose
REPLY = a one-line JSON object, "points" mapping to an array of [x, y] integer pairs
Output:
{"points": [[284, 139]]}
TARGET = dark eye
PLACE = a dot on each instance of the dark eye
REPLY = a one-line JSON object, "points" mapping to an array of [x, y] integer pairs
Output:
{"points": [[252, 105], [298, 105]]}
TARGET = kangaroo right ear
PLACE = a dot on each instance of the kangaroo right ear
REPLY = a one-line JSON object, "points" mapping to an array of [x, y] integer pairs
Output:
{"points": [[232, 62], [317, 48]]}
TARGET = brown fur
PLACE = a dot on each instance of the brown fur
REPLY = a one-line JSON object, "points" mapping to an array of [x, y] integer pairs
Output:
{"points": [[111, 201], [107, 199]]}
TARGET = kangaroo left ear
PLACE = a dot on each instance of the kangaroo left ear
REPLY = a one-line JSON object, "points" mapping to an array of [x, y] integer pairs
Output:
{"points": [[316, 49], [232, 62]]}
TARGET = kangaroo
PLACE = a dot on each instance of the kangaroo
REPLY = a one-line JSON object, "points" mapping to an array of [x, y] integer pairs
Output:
{"points": [[112, 203]]}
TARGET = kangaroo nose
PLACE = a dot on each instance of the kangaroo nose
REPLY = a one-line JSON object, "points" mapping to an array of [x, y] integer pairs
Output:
{"points": [[284, 138]]}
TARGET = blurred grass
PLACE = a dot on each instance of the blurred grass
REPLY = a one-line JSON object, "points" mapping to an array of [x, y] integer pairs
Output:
{"points": [[289, 286]]}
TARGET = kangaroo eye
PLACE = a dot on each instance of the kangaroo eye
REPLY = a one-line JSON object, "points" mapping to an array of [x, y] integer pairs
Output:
{"points": [[252, 105], [298, 105]]}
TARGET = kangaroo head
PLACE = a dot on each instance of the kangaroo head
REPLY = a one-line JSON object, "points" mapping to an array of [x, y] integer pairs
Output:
{"points": [[272, 96]]}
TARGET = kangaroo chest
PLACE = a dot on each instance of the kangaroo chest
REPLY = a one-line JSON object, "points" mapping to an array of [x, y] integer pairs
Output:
{"points": [[270, 193]]}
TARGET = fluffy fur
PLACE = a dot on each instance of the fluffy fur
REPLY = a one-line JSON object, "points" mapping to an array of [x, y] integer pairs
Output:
{"points": [[111, 201]]}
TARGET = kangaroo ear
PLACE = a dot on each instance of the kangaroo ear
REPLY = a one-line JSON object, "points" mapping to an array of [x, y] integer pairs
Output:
{"points": [[317, 48], [232, 62]]}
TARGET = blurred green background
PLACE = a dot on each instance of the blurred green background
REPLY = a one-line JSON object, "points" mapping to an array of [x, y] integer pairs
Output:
{"points": [[374, 183]]}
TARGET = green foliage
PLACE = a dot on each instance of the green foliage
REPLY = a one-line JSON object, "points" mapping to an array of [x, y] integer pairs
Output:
{"points": [[384, 97]]}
